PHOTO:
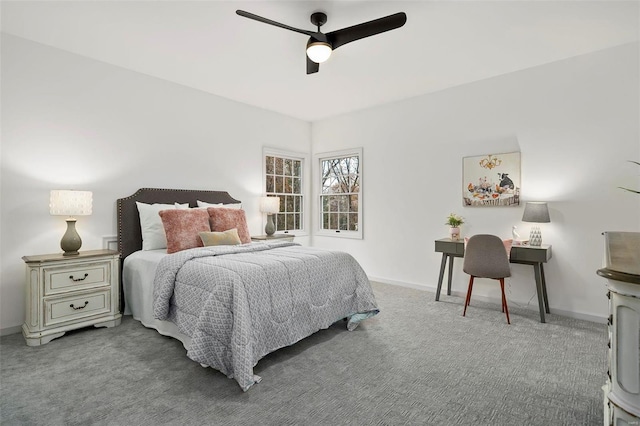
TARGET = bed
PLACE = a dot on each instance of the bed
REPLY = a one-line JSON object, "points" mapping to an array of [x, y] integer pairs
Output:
{"points": [[230, 305]]}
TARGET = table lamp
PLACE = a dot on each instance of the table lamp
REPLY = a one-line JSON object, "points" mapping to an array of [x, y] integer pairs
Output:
{"points": [[270, 206], [70, 203], [536, 212]]}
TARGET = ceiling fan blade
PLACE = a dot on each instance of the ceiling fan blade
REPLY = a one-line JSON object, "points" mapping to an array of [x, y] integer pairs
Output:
{"points": [[347, 35], [312, 67], [270, 22]]}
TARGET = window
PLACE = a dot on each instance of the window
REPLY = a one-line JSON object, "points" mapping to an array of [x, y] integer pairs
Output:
{"points": [[341, 193], [283, 177]]}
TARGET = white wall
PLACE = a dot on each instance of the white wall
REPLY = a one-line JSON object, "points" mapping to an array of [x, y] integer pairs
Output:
{"points": [[69, 122], [576, 124]]}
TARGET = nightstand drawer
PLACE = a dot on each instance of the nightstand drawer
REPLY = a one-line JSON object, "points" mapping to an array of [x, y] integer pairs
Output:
{"points": [[75, 307], [76, 277]]}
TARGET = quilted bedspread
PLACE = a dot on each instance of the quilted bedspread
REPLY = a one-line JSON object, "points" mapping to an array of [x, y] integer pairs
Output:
{"points": [[239, 303]]}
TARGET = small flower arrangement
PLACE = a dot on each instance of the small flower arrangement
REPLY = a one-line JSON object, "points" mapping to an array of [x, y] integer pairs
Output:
{"points": [[454, 221]]}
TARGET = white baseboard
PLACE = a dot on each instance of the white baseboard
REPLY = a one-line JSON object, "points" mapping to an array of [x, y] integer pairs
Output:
{"points": [[10, 330], [533, 307]]}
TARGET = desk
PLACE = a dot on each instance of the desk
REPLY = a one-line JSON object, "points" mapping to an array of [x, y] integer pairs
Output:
{"points": [[526, 255]]}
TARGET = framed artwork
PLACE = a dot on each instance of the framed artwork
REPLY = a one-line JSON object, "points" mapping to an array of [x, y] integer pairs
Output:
{"points": [[491, 180]]}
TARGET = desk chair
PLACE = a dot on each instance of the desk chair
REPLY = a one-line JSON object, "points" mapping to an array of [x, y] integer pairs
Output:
{"points": [[485, 257]]}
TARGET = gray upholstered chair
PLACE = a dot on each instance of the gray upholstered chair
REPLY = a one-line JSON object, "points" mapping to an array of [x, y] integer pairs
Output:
{"points": [[486, 257]]}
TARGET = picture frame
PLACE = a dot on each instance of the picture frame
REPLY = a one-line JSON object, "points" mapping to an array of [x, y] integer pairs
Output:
{"points": [[491, 180]]}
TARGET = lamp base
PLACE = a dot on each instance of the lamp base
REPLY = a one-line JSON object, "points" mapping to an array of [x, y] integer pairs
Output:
{"points": [[71, 241], [270, 228], [535, 237]]}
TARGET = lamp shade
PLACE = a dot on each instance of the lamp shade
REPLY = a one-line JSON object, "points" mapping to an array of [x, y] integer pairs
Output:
{"points": [[536, 212], [70, 203], [270, 205]]}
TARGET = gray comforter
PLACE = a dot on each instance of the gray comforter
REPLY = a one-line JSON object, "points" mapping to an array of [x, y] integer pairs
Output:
{"points": [[239, 303]]}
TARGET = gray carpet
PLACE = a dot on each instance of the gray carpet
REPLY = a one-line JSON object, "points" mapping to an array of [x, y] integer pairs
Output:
{"points": [[417, 363]]}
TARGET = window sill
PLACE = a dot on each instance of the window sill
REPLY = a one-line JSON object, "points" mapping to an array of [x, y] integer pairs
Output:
{"points": [[340, 234]]}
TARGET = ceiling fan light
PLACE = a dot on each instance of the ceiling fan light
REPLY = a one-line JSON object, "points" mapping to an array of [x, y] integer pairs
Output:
{"points": [[318, 51]]}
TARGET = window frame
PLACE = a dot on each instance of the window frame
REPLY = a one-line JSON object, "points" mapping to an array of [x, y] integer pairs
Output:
{"points": [[318, 158], [304, 161]]}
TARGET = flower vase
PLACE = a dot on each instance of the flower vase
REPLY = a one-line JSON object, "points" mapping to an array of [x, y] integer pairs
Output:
{"points": [[454, 233]]}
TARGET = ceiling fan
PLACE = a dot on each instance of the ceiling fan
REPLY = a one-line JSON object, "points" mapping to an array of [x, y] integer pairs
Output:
{"points": [[320, 46]]}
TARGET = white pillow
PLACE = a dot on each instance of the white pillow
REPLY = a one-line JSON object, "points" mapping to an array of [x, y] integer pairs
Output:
{"points": [[202, 204], [153, 236]]}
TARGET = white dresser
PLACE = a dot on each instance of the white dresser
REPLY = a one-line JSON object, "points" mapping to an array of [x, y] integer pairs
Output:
{"points": [[622, 390], [68, 292]]}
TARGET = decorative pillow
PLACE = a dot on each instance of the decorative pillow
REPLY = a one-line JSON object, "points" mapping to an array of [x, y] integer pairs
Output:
{"points": [[182, 228], [223, 219], [507, 245], [227, 238], [219, 205], [153, 235]]}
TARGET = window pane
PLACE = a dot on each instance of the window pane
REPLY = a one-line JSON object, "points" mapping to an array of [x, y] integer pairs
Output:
{"points": [[296, 186], [283, 204], [354, 203], [279, 184], [297, 167], [343, 203], [280, 222], [269, 163], [333, 203], [342, 219], [325, 221], [353, 221], [296, 218], [325, 203], [333, 220], [279, 166], [288, 185], [296, 203], [290, 221], [288, 167]]}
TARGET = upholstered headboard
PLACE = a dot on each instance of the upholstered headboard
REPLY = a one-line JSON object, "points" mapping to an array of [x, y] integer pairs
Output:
{"points": [[129, 233]]}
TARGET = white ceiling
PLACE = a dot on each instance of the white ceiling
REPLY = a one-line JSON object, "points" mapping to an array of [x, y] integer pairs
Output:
{"points": [[206, 46]]}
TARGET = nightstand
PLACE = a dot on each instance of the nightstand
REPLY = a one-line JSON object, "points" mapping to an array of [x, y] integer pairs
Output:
{"points": [[68, 292], [274, 237]]}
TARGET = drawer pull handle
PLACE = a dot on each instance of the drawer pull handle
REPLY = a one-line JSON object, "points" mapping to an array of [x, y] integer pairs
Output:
{"points": [[86, 302], [78, 279]]}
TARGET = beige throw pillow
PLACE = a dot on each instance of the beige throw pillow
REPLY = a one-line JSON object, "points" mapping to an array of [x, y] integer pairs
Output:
{"points": [[227, 238]]}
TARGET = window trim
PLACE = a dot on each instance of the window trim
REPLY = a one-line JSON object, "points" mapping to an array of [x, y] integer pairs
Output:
{"points": [[318, 158], [304, 191]]}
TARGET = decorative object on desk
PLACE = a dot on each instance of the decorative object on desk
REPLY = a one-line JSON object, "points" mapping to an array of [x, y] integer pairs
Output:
{"points": [[491, 180], [70, 203], [517, 240], [454, 221], [270, 206], [536, 212]]}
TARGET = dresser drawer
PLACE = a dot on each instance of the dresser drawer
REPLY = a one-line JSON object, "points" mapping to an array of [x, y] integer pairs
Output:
{"points": [[62, 279], [62, 309]]}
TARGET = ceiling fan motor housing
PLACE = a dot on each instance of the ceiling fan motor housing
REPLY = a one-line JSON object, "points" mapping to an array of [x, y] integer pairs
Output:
{"points": [[318, 19]]}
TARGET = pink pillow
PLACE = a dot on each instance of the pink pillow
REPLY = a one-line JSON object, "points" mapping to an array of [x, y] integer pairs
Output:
{"points": [[223, 219], [507, 245], [182, 228]]}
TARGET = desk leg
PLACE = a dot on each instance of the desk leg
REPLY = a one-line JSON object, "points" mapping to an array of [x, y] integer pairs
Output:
{"points": [[443, 263], [544, 289], [450, 275], [539, 289]]}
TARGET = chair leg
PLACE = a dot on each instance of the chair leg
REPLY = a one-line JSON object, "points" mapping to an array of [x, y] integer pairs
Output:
{"points": [[504, 300], [468, 299]]}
